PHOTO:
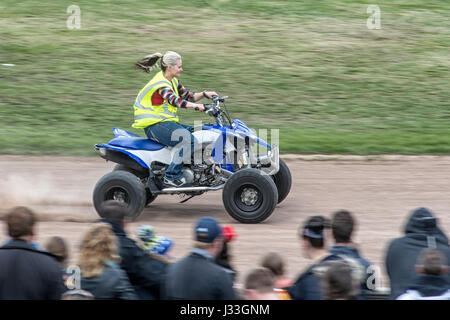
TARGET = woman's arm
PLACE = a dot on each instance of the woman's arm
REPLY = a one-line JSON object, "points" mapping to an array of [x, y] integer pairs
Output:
{"points": [[178, 102], [204, 94]]}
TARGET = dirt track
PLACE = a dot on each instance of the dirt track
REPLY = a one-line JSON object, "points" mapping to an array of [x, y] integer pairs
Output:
{"points": [[381, 191]]}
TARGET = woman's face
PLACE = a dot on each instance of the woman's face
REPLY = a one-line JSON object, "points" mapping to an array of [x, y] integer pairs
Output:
{"points": [[176, 70]]}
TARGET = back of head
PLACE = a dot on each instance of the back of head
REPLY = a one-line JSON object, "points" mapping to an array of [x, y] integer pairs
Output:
{"points": [[98, 247], [274, 262], [421, 220], [114, 211], [313, 231], [20, 222], [260, 279], [342, 226], [432, 261], [58, 247], [337, 281]]}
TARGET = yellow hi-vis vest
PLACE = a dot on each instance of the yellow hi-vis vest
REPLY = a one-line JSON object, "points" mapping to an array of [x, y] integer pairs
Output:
{"points": [[146, 114]]}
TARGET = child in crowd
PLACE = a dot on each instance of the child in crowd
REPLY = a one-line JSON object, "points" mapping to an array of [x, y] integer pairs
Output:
{"points": [[157, 247]]}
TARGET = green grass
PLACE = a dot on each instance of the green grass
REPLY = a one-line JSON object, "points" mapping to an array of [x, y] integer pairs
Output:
{"points": [[311, 69]]}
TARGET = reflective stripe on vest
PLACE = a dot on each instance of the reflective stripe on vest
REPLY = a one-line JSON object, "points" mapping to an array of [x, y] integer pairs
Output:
{"points": [[145, 116]]}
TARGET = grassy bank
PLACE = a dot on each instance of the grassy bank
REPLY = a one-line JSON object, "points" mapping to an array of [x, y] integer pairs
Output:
{"points": [[311, 69]]}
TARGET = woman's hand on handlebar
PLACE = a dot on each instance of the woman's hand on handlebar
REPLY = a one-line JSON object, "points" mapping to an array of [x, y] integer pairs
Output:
{"points": [[196, 106], [209, 94]]}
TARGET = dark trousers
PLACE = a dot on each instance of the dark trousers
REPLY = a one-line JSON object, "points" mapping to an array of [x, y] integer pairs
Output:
{"points": [[170, 133]]}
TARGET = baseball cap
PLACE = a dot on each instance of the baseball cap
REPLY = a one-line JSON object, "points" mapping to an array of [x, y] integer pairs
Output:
{"points": [[314, 227], [207, 229]]}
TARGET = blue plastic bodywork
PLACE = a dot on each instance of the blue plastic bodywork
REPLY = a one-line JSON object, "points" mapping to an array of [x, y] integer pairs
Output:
{"points": [[127, 140], [136, 143]]}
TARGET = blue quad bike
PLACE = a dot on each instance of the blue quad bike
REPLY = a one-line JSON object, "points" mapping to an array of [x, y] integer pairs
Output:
{"points": [[253, 184]]}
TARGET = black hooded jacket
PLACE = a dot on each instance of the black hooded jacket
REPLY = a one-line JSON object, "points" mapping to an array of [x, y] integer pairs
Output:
{"points": [[146, 274], [421, 231]]}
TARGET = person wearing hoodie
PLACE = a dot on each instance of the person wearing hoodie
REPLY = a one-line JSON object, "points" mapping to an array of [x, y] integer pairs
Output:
{"points": [[421, 231], [432, 282], [342, 228], [147, 275]]}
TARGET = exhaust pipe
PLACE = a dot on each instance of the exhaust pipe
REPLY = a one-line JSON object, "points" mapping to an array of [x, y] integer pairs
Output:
{"points": [[191, 189]]}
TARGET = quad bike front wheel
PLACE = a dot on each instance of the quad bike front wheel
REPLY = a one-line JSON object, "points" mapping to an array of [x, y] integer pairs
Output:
{"points": [[283, 180], [250, 196], [121, 186]]}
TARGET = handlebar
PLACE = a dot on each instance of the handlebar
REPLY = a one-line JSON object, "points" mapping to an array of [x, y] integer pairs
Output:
{"points": [[214, 110], [210, 109], [216, 99]]}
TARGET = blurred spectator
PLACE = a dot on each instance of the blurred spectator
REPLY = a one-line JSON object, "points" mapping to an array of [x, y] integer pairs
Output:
{"points": [[224, 257], [157, 247], [338, 282], [342, 227], [77, 295], [197, 277], [307, 286], [274, 262], [145, 273], [259, 285], [100, 273], [58, 247], [25, 272], [421, 231], [432, 282]]}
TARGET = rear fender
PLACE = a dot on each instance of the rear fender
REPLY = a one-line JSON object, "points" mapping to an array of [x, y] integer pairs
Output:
{"points": [[121, 156]]}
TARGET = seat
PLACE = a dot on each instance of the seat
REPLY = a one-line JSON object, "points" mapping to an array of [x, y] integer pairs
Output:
{"points": [[136, 143]]}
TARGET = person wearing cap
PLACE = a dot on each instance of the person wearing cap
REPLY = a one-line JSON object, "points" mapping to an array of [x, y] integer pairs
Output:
{"points": [[308, 286], [197, 276], [421, 231]]}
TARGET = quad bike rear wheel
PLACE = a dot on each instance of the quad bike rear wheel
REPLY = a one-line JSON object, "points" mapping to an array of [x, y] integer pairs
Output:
{"points": [[149, 196], [121, 186]]}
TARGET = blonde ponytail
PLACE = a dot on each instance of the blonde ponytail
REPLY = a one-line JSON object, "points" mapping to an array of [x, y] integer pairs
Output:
{"points": [[148, 62], [170, 58]]}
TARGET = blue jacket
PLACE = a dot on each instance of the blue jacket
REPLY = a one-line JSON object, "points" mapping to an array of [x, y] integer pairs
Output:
{"points": [[352, 252], [307, 286], [198, 277]]}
